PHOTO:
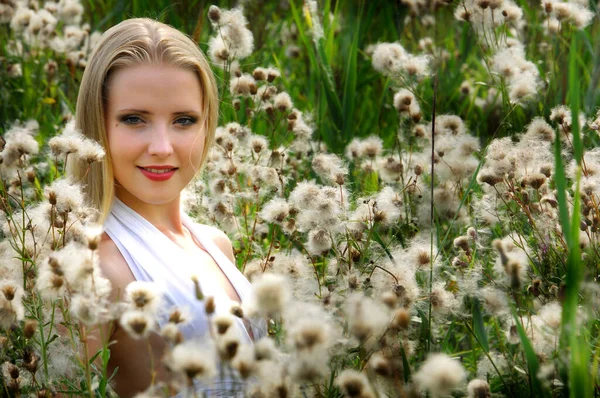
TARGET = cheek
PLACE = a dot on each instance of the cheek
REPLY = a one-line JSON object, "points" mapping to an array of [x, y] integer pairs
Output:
{"points": [[121, 148]]}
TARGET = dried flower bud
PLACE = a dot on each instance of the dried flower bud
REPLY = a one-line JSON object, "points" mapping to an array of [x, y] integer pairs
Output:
{"points": [[462, 242], [30, 328], [222, 323], [9, 291], [209, 305], [197, 288], [259, 74], [13, 371], [497, 244], [535, 288], [214, 14], [401, 319], [381, 365], [390, 299]]}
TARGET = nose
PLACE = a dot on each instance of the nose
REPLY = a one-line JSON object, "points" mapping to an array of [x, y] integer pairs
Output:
{"points": [[160, 144]]}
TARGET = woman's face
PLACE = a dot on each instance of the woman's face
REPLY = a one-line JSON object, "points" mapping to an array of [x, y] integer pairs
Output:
{"points": [[154, 132]]}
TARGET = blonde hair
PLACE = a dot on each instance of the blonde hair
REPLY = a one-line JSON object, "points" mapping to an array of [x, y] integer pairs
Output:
{"points": [[129, 43]]}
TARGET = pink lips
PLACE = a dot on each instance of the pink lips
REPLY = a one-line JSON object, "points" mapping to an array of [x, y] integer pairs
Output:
{"points": [[163, 176]]}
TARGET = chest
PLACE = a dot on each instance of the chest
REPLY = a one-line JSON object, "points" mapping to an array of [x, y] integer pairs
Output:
{"points": [[207, 269]]}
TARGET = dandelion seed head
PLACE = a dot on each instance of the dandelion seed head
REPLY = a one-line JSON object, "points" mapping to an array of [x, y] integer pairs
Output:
{"points": [[353, 149], [523, 88], [271, 294], [494, 301], [439, 375], [228, 344], [329, 167], [416, 65], [305, 194], [550, 314], [21, 19], [319, 241], [244, 362], [245, 85], [371, 147], [538, 129], [442, 300], [234, 41], [194, 360], [137, 324], [265, 349], [70, 12], [400, 319], [354, 384], [478, 388], [283, 102], [171, 333], [390, 168], [402, 101], [19, 142], [366, 318], [310, 334], [222, 323], [512, 12], [387, 58], [89, 309], [275, 211], [68, 195], [309, 366], [144, 296]]}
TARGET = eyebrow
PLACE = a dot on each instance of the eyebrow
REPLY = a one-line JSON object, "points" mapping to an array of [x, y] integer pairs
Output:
{"points": [[144, 112]]}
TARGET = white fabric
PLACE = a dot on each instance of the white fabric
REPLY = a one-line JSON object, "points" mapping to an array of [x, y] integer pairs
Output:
{"points": [[153, 257]]}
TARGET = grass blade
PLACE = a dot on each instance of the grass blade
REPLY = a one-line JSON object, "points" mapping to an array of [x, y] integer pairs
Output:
{"points": [[479, 326], [533, 363], [350, 83]]}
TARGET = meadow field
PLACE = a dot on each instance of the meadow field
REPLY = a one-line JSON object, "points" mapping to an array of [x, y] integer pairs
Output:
{"points": [[411, 186]]}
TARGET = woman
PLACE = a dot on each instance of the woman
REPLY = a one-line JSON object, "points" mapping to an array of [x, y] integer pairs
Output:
{"points": [[149, 97]]}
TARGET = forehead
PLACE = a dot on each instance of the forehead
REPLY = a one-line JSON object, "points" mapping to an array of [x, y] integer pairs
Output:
{"points": [[154, 85]]}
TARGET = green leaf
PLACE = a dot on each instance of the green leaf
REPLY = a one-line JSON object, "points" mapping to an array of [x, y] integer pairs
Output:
{"points": [[371, 182], [580, 384], [532, 360], [479, 326], [350, 84], [560, 180], [405, 364], [378, 239], [335, 107]]}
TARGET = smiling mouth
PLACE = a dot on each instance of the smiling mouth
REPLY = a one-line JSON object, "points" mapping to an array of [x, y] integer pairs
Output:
{"points": [[158, 171]]}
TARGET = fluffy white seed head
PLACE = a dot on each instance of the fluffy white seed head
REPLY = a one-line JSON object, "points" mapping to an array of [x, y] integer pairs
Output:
{"points": [[271, 294], [194, 360], [439, 375], [144, 296]]}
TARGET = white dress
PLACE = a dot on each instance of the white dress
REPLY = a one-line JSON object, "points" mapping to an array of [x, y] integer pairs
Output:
{"points": [[153, 257]]}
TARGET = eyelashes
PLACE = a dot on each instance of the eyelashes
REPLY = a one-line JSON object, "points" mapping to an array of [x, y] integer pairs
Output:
{"points": [[130, 119], [188, 119], [136, 120]]}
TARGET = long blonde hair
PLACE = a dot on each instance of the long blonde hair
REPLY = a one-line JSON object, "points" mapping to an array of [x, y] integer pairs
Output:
{"points": [[133, 42]]}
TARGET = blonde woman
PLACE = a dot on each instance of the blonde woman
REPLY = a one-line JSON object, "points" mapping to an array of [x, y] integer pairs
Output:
{"points": [[149, 97]]}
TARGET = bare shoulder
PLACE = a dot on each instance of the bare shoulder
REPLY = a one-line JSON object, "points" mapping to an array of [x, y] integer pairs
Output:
{"points": [[113, 265], [221, 240]]}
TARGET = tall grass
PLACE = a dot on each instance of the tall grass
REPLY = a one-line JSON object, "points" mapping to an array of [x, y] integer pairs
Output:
{"points": [[484, 250]]}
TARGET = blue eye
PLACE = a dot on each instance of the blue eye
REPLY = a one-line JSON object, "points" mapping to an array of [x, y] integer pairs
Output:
{"points": [[131, 119], [186, 121]]}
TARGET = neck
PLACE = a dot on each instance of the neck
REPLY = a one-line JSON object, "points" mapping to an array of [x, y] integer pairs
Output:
{"points": [[166, 217]]}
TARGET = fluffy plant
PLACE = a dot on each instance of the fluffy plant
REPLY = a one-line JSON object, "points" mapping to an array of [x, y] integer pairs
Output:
{"points": [[414, 200]]}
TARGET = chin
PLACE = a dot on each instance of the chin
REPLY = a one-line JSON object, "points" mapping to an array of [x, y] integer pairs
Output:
{"points": [[157, 198]]}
